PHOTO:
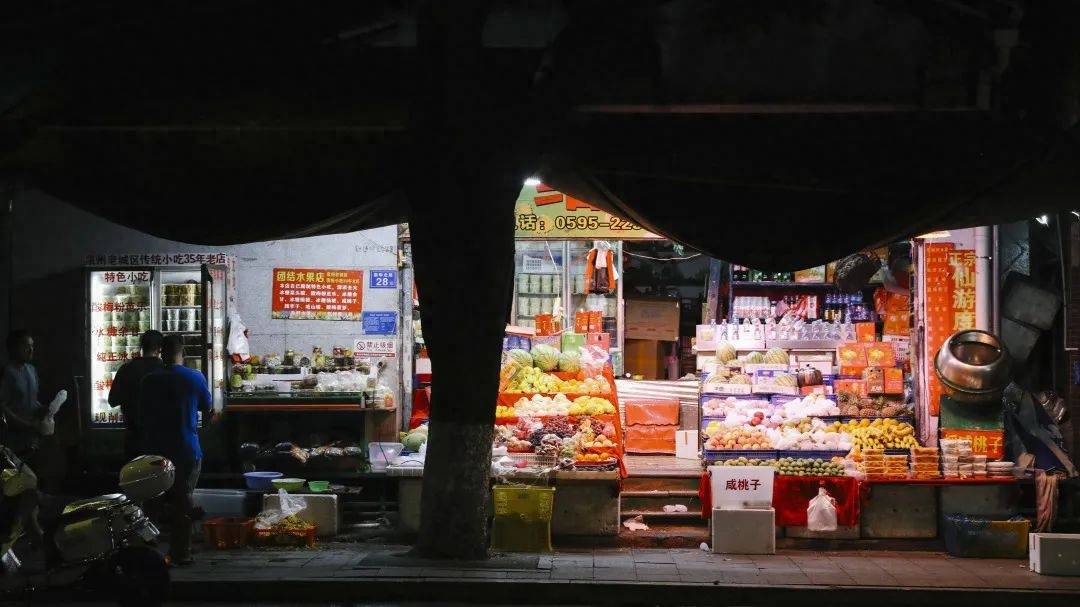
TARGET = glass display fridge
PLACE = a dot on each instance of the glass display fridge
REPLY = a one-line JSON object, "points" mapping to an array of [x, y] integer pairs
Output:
{"points": [[549, 275], [124, 302]]}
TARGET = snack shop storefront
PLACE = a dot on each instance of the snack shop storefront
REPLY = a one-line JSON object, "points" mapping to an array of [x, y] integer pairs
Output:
{"points": [[839, 394]]}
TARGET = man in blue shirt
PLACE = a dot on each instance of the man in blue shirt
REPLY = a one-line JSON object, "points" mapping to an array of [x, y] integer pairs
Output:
{"points": [[170, 401]]}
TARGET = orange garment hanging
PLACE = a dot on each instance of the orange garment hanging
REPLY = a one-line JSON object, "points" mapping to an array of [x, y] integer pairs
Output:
{"points": [[590, 272]]}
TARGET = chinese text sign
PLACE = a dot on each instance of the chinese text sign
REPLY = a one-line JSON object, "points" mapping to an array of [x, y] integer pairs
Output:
{"points": [[317, 294]]}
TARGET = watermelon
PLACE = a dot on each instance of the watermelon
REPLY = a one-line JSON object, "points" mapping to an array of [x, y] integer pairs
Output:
{"points": [[521, 357]]}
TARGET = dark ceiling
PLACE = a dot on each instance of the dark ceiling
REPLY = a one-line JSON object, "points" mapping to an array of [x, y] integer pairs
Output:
{"points": [[733, 127]]}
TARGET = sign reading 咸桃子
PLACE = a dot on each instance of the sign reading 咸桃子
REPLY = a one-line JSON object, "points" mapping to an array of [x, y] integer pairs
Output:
{"points": [[990, 443], [317, 294], [542, 212], [741, 486]]}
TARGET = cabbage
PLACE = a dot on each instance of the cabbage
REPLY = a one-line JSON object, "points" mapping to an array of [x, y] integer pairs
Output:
{"points": [[570, 361], [414, 440], [521, 357], [545, 357]]}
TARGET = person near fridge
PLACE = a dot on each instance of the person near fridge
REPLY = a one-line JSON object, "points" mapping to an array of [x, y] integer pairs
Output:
{"points": [[124, 392], [19, 396], [170, 401]]}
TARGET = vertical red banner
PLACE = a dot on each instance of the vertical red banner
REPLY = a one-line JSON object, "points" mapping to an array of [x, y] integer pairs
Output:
{"points": [[939, 313]]}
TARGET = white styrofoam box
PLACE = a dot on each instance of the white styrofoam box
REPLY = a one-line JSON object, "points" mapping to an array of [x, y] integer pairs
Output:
{"points": [[1054, 553], [322, 511], [686, 444], [744, 531], [218, 502], [741, 486]]}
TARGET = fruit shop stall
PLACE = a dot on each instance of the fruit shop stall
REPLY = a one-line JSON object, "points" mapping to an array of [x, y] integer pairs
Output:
{"points": [[837, 414], [556, 424]]}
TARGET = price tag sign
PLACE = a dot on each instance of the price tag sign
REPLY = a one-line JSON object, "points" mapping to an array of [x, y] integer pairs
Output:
{"points": [[382, 279], [380, 323], [741, 486]]}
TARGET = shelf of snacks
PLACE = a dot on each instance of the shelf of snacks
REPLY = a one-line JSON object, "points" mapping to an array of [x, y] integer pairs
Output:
{"points": [[295, 380]]}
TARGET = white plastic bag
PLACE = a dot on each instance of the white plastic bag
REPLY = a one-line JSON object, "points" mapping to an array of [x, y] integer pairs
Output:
{"points": [[48, 423], [821, 513], [289, 505], [238, 342], [593, 360]]}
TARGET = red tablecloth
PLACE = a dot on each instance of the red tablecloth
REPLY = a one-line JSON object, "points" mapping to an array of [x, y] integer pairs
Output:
{"points": [[791, 495]]}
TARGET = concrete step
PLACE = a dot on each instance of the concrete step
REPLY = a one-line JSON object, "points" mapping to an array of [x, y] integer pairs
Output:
{"points": [[661, 483], [690, 517], [664, 535], [656, 500]]}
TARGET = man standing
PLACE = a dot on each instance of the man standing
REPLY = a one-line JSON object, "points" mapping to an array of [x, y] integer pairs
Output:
{"points": [[19, 396], [170, 401], [125, 388]]}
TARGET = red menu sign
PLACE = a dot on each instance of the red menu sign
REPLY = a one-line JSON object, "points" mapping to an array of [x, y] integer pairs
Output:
{"points": [[308, 294], [939, 314]]}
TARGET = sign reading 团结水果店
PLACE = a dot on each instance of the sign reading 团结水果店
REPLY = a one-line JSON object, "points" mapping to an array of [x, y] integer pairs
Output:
{"points": [[542, 212], [317, 294]]}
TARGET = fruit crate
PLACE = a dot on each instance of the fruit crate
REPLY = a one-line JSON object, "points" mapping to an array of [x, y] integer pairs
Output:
{"points": [[533, 461], [286, 537], [225, 532]]}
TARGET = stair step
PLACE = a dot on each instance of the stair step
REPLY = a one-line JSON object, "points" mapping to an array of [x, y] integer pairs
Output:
{"points": [[660, 483], [661, 493], [656, 503], [689, 515]]}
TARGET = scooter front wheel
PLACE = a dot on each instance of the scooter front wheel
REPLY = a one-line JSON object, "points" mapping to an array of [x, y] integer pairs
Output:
{"points": [[140, 577]]}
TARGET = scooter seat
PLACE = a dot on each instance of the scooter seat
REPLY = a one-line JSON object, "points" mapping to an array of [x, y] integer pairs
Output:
{"points": [[94, 504]]}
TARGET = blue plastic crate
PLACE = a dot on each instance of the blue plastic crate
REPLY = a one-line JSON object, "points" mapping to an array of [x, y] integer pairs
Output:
{"points": [[811, 453], [726, 454]]}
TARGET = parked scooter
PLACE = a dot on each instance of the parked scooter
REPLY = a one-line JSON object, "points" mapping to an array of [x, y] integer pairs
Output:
{"points": [[101, 543]]}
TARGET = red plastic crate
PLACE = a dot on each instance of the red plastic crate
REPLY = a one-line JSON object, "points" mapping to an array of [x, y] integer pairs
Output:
{"points": [[225, 532]]}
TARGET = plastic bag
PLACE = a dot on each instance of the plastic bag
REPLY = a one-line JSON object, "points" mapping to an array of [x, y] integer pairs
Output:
{"points": [[47, 426], [594, 360], [289, 505], [821, 513], [238, 341]]}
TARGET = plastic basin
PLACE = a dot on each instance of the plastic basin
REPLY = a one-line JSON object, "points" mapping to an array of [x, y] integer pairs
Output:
{"points": [[261, 480], [319, 486], [288, 484], [381, 454]]}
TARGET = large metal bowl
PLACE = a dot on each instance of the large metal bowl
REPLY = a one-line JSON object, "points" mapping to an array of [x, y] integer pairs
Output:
{"points": [[973, 366]]}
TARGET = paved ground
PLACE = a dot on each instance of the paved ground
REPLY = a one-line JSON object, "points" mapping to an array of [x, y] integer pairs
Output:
{"points": [[646, 576]]}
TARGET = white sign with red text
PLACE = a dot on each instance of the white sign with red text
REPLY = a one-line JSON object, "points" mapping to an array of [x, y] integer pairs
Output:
{"points": [[736, 487]]}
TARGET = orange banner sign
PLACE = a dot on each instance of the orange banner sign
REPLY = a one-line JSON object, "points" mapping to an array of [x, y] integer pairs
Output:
{"points": [[939, 313], [990, 443], [324, 294]]}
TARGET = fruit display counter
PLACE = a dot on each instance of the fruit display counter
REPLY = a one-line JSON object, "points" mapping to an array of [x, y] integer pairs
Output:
{"points": [[551, 406]]}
